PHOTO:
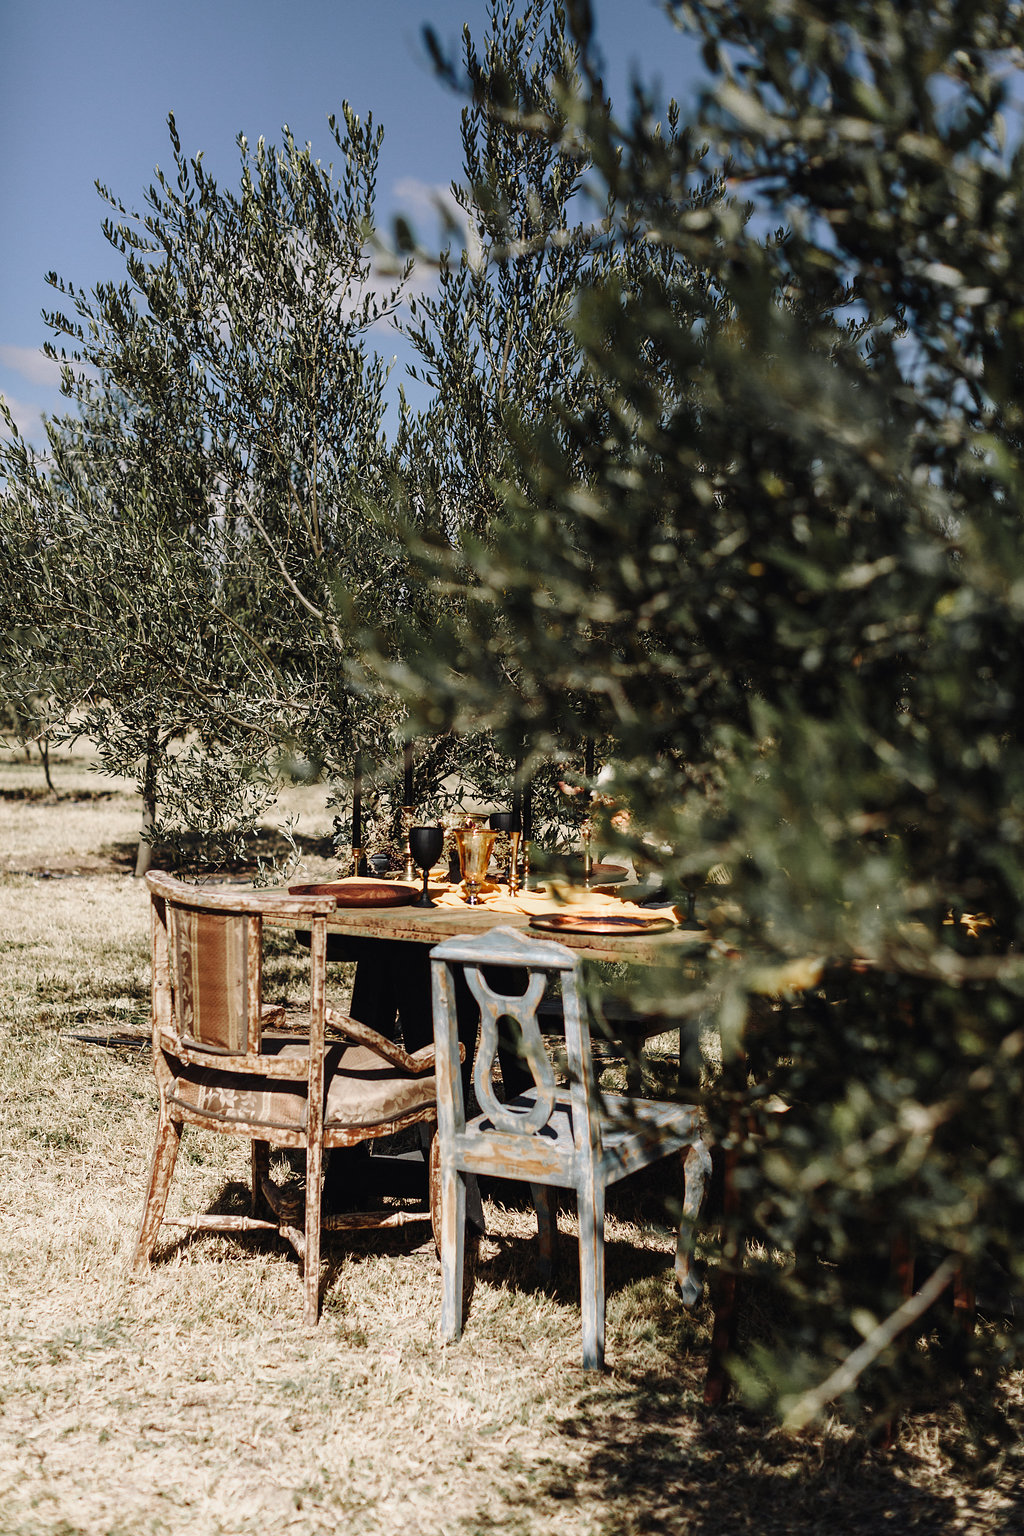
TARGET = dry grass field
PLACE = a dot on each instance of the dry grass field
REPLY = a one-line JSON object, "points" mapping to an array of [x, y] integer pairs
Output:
{"points": [[194, 1401]]}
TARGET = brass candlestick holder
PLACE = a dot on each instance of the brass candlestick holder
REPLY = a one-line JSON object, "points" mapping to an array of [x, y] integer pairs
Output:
{"points": [[408, 817], [509, 825], [513, 863], [588, 853], [358, 861], [528, 882]]}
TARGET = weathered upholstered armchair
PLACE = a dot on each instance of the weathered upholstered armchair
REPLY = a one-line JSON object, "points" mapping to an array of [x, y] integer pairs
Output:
{"points": [[308, 1078]]}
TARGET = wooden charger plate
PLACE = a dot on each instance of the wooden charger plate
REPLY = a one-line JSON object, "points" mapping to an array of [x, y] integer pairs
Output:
{"points": [[606, 927], [360, 893]]}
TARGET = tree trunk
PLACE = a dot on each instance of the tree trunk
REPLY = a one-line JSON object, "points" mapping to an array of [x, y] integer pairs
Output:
{"points": [[44, 752], [144, 854]]}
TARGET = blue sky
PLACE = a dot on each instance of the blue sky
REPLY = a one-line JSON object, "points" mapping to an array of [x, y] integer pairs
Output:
{"points": [[86, 86]]}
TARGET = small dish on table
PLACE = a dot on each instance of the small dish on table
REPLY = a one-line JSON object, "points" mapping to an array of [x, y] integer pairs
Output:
{"points": [[360, 893], [610, 925]]}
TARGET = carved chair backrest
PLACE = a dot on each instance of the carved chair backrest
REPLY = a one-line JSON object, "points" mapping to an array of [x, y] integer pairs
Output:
{"points": [[542, 960]]}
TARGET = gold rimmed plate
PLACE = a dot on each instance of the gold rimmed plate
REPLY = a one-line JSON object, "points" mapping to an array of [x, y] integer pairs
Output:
{"points": [[600, 926]]}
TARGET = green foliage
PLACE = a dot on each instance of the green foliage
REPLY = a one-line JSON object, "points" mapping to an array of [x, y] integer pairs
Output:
{"points": [[778, 562], [249, 311], [496, 346], [117, 608], [513, 376], [203, 540], [494, 338]]}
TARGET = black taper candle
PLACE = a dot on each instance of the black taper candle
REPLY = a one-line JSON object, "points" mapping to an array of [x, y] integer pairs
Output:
{"points": [[357, 801], [407, 782]]}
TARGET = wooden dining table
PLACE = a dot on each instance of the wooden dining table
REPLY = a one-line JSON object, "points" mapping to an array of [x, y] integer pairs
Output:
{"points": [[391, 946], [429, 925]]}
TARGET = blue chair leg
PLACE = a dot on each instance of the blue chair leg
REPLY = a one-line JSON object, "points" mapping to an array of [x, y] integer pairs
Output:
{"points": [[591, 1218], [696, 1171], [453, 1250]]}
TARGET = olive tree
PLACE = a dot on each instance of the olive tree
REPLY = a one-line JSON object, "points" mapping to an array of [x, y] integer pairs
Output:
{"points": [[243, 427], [781, 558], [498, 346], [114, 613]]}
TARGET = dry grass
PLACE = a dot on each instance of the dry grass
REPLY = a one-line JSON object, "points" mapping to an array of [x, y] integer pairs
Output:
{"points": [[195, 1401]]}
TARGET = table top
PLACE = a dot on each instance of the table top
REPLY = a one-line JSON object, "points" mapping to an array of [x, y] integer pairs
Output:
{"points": [[429, 925]]}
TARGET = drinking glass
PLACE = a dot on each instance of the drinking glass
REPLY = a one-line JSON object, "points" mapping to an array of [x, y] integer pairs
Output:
{"points": [[475, 844], [425, 844]]}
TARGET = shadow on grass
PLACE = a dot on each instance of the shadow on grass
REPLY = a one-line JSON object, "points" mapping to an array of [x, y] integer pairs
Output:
{"points": [[337, 1248], [194, 849], [642, 1455], [637, 1452], [659, 1466], [40, 795], [119, 857]]}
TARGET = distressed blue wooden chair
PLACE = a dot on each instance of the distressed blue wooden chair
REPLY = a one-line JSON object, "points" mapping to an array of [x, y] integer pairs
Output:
{"points": [[550, 1137]]}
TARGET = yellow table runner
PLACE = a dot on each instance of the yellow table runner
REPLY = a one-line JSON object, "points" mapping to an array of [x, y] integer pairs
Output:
{"points": [[557, 898], [553, 897]]}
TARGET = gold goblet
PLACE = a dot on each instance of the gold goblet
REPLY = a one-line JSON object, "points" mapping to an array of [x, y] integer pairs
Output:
{"points": [[475, 844]]}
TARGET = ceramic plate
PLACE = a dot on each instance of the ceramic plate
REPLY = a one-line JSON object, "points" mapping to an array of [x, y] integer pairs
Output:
{"points": [[360, 893], [594, 923], [600, 874]]}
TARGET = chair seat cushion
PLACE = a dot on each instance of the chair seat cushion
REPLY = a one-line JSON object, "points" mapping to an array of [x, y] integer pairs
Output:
{"points": [[363, 1089]]}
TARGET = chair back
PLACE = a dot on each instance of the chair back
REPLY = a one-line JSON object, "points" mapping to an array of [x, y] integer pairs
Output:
{"points": [[542, 959], [217, 965], [208, 960]]}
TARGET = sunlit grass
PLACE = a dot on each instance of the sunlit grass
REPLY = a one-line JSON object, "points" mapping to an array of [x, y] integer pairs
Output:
{"points": [[194, 1400]]}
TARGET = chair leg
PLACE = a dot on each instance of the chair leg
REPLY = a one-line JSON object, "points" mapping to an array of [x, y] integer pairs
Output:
{"points": [[434, 1191], [726, 1293], [453, 1250], [964, 1305], [902, 1264], [723, 1339], [260, 1170], [165, 1155], [547, 1230], [590, 1204], [475, 1205], [311, 1246], [696, 1171]]}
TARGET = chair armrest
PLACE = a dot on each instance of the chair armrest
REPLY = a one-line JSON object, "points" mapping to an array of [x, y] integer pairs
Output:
{"points": [[362, 1034]]}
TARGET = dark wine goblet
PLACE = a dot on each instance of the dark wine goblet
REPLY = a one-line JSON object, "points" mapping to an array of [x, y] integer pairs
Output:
{"points": [[425, 844]]}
